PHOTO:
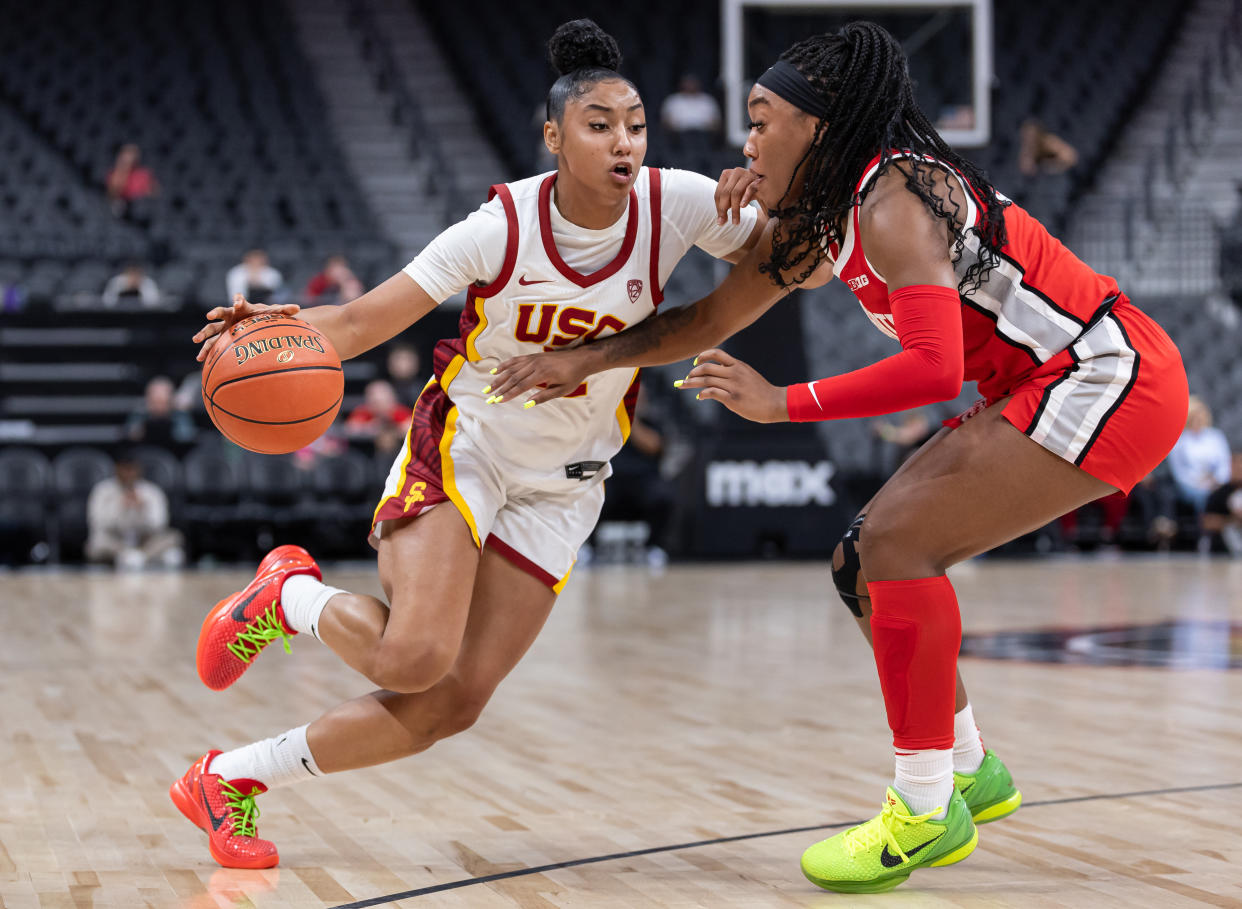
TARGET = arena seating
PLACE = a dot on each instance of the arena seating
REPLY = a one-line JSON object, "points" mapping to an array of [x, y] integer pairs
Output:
{"points": [[1092, 64], [226, 112]]}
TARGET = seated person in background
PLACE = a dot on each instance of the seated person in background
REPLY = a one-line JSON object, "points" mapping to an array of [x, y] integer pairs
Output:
{"points": [[637, 491], [128, 181], [133, 284], [254, 278], [1154, 505], [127, 518], [380, 417], [336, 283], [905, 437], [1042, 151], [691, 120], [158, 422], [1222, 516], [404, 366], [1200, 459]]}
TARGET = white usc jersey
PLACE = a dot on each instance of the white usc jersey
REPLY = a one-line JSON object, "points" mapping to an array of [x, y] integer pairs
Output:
{"points": [[538, 302]]}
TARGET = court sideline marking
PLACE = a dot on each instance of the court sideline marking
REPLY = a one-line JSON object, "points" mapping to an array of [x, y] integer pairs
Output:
{"points": [[677, 847]]}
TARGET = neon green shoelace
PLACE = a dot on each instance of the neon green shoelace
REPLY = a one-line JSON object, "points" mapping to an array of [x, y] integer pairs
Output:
{"points": [[242, 810], [261, 632], [880, 829]]}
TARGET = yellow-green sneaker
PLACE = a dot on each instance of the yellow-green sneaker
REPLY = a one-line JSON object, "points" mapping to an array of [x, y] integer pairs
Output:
{"points": [[989, 792], [880, 854]]}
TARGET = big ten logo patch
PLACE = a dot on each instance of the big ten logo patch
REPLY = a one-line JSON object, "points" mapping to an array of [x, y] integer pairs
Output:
{"points": [[416, 494], [858, 282]]}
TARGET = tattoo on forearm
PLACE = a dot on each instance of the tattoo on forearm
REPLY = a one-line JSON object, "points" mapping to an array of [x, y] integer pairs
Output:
{"points": [[646, 335]]}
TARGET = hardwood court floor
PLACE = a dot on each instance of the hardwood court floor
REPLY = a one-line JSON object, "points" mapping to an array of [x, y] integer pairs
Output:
{"points": [[705, 703]]}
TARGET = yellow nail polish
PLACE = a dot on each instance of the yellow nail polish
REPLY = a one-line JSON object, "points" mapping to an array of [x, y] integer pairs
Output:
{"points": [[696, 362], [499, 398], [699, 396], [487, 390], [528, 405], [679, 383], [491, 400], [492, 371]]}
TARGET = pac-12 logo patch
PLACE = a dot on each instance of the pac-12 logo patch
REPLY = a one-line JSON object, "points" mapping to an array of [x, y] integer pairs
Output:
{"points": [[635, 287]]}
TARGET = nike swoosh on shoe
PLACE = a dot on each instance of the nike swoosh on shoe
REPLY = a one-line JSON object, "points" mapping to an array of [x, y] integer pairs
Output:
{"points": [[888, 860]]}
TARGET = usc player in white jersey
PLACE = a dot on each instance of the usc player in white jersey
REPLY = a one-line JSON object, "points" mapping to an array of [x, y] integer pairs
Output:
{"points": [[485, 508]]}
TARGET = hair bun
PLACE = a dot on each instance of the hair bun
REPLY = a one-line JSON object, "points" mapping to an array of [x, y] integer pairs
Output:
{"points": [[581, 44]]}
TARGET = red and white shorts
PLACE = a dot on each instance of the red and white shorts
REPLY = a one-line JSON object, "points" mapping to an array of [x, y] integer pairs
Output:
{"points": [[538, 530], [1118, 407]]}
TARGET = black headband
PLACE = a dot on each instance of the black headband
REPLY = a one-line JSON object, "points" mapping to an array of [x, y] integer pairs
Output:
{"points": [[784, 79]]}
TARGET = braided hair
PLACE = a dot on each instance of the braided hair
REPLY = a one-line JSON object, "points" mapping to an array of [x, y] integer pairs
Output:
{"points": [[861, 74], [583, 55]]}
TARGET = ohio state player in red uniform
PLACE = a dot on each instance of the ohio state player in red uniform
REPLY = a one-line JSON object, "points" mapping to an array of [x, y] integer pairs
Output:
{"points": [[1083, 395]]}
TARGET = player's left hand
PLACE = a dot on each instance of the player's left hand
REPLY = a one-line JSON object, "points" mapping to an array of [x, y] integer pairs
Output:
{"points": [[737, 386]]}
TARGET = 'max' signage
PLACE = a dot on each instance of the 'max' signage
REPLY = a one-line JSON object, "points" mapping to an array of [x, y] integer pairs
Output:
{"points": [[774, 484]]}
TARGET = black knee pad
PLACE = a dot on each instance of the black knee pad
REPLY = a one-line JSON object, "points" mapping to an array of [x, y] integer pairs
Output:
{"points": [[846, 577]]}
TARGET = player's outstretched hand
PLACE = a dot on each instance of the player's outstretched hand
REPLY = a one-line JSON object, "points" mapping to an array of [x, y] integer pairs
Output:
{"points": [[222, 318], [738, 387], [552, 374], [735, 189]]}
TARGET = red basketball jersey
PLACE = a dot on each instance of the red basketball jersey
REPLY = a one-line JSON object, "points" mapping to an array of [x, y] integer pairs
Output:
{"points": [[1022, 320]]}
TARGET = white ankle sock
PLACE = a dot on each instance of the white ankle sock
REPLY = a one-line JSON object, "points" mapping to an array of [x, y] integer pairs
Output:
{"points": [[967, 743], [925, 779], [303, 599], [274, 762]]}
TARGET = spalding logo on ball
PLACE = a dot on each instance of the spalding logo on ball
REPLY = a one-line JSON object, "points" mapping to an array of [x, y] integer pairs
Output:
{"points": [[273, 385]]}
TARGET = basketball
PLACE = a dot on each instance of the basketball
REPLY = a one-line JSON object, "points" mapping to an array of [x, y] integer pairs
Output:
{"points": [[273, 384]]}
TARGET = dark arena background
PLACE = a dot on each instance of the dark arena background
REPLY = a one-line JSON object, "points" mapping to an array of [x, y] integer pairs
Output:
{"points": [[700, 707]]}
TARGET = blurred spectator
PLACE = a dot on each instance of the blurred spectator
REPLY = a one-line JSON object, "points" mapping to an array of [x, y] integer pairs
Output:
{"points": [[904, 438], [128, 181], [1231, 254], [189, 394], [1222, 515], [158, 422], [254, 278], [1041, 151], [1154, 507], [1112, 510], [127, 518], [691, 121], [637, 489], [403, 373], [380, 417], [133, 284], [956, 116], [1200, 459], [336, 282]]}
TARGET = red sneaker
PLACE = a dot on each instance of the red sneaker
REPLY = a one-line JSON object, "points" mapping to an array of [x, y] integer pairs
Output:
{"points": [[225, 809], [241, 625]]}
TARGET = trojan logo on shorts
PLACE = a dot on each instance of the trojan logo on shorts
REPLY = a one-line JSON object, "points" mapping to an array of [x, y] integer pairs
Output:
{"points": [[283, 343], [634, 288]]}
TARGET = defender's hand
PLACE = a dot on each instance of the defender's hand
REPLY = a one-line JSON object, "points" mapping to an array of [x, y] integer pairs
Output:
{"points": [[738, 387], [558, 372], [735, 189], [222, 318]]}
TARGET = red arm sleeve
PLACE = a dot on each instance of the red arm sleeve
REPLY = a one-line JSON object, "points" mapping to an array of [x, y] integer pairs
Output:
{"points": [[929, 368]]}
